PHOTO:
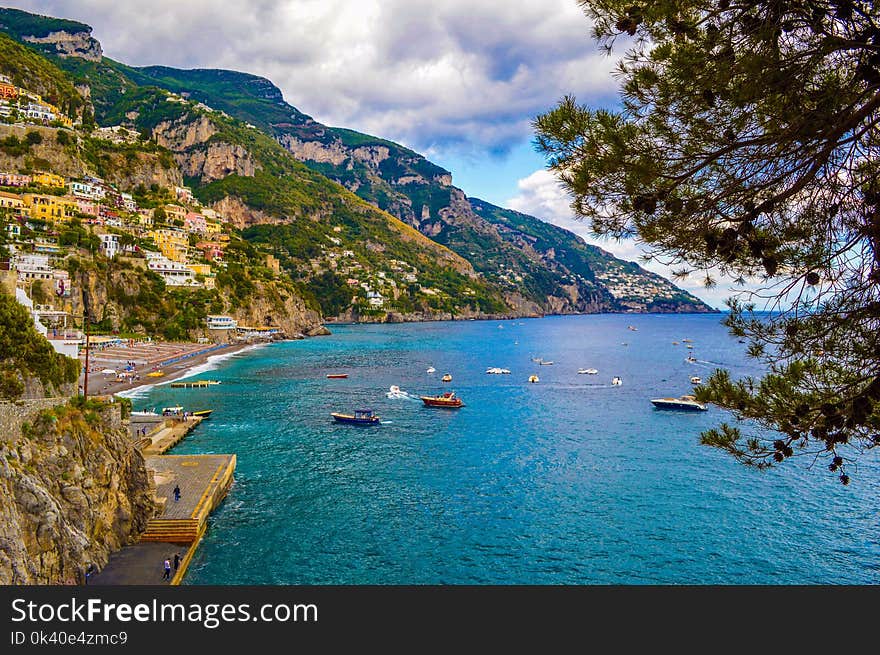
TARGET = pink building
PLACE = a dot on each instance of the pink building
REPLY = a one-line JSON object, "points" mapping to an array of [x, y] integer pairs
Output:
{"points": [[195, 223], [213, 251], [14, 179], [88, 207]]}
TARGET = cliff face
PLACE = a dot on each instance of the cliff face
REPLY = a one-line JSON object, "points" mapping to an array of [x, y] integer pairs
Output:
{"points": [[72, 490], [273, 304], [66, 44], [197, 156]]}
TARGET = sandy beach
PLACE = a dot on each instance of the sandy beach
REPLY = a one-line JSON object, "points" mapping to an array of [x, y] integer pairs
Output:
{"points": [[106, 385]]}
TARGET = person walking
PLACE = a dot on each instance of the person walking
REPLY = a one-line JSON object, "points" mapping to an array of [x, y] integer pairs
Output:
{"points": [[167, 574], [176, 562], [176, 493]]}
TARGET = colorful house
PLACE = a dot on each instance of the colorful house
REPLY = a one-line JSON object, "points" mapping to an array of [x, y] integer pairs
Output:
{"points": [[48, 179], [173, 244], [195, 223], [12, 201], [53, 209], [14, 179]]}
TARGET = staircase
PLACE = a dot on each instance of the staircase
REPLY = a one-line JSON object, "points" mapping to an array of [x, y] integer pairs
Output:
{"points": [[178, 531]]}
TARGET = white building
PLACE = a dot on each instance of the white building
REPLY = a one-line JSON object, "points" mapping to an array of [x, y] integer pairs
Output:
{"points": [[88, 190], [175, 274], [110, 244], [32, 267], [38, 112], [216, 322]]}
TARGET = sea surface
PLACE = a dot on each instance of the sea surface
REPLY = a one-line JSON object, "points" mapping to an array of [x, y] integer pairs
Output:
{"points": [[567, 481]]}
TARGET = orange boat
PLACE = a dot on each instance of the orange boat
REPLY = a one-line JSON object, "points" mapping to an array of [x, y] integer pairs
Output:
{"points": [[337, 376], [448, 399]]}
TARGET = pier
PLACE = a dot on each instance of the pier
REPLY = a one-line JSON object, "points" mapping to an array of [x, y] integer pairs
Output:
{"points": [[204, 481]]}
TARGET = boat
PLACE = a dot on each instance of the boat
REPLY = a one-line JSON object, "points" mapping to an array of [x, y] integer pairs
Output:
{"points": [[431, 369], [675, 343], [193, 384], [203, 413], [494, 370], [172, 411], [687, 340], [696, 379], [360, 417], [543, 363], [533, 378], [691, 359], [337, 376], [690, 347], [537, 359], [448, 399], [632, 328], [446, 378], [155, 374], [684, 403], [587, 371], [616, 381]]}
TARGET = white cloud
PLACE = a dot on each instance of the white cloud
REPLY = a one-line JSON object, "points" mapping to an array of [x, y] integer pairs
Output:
{"points": [[427, 74], [541, 195]]}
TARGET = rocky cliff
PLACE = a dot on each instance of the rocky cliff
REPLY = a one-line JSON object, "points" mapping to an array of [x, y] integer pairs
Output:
{"points": [[72, 490], [66, 44]]}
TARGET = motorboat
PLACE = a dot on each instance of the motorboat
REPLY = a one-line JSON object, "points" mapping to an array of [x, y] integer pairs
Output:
{"points": [[431, 369], [446, 378], [696, 379], [691, 359], [360, 417], [632, 328], [202, 413], [337, 376], [687, 340], [543, 363], [448, 399], [616, 381], [587, 371], [683, 403], [533, 378], [494, 370]]}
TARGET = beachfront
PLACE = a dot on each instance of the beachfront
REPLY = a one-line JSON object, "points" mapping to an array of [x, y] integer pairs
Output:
{"points": [[123, 367]]}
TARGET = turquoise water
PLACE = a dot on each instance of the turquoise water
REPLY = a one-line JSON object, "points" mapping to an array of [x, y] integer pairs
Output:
{"points": [[568, 481]]}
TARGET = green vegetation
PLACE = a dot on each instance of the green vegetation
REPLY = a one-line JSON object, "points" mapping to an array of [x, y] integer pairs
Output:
{"points": [[24, 353], [21, 23], [28, 69]]}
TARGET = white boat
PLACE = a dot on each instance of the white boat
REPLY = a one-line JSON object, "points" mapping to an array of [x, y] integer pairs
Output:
{"points": [[691, 359], [684, 403], [632, 328], [616, 381], [495, 370], [587, 371], [696, 379], [543, 363], [431, 369], [533, 378]]}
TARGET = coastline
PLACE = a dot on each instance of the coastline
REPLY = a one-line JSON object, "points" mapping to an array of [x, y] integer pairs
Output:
{"points": [[175, 371]]}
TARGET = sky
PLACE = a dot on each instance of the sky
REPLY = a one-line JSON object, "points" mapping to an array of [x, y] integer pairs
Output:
{"points": [[459, 81]]}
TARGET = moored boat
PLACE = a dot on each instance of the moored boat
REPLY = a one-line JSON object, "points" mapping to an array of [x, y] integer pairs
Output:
{"points": [[587, 371], [203, 413], [446, 378], [360, 417], [534, 378], [448, 399], [696, 379], [616, 381], [684, 403], [337, 376]]}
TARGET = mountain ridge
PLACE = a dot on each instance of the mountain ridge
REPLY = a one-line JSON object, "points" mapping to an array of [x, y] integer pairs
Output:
{"points": [[557, 277]]}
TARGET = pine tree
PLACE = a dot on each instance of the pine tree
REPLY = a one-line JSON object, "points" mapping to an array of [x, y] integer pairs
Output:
{"points": [[747, 144]]}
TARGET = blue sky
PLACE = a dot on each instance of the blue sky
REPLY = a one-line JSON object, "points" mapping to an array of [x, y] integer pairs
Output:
{"points": [[458, 81]]}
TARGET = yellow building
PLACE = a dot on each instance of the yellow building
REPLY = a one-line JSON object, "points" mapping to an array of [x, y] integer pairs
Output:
{"points": [[48, 179], [11, 201], [200, 269], [172, 244], [175, 212], [53, 209], [212, 228]]}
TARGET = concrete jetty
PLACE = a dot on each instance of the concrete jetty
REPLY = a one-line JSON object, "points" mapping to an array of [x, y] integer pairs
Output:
{"points": [[178, 528]]}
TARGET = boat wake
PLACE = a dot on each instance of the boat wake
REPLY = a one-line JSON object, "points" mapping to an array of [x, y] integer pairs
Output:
{"points": [[395, 393]]}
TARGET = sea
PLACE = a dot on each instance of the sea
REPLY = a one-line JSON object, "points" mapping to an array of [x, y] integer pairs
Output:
{"points": [[568, 481]]}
